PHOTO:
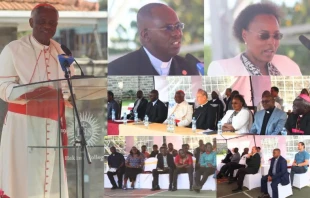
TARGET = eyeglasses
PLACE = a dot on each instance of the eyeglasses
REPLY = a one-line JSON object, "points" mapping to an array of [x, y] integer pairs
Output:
{"points": [[170, 28], [265, 35]]}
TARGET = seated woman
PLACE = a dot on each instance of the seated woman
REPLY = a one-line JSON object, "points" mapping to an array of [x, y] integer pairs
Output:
{"points": [[298, 122], [239, 119], [227, 157], [134, 165], [257, 26]]}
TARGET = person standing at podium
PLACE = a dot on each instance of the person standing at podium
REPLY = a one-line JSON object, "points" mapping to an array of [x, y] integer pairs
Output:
{"points": [[33, 58]]}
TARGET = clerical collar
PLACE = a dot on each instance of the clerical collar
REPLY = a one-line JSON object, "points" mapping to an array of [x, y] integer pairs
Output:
{"points": [[161, 67], [270, 110], [38, 45], [203, 104]]}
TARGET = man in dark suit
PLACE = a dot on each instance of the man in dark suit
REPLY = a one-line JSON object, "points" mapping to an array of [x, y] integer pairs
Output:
{"points": [[160, 37], [112, 104], [165, 164], [198, 152], [277, 174], [139, 106], [205, 114], [253, 162], [156, 110], [227, 99]]}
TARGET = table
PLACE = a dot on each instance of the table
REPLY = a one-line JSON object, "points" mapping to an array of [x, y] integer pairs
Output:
{"points": [[154, 129]]}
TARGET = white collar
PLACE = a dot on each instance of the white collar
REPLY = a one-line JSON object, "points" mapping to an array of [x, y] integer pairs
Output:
{"points": [[38, 45], [203, 104], [154, 102], [161, 67]]}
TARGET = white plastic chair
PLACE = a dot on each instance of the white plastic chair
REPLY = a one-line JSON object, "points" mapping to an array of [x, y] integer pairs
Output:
{"points": [[283, 191], [302, 180], [252, 180]]}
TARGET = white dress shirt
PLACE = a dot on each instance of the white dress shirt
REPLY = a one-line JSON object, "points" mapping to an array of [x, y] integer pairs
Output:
{"points": [[182, 112], [161, 67]]}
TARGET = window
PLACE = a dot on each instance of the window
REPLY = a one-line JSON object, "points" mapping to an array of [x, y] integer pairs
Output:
{"points": [[267, 146]]}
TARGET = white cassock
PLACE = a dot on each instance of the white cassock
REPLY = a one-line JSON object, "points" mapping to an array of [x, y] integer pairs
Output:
{"points": [[182, 112], [25, 172]]}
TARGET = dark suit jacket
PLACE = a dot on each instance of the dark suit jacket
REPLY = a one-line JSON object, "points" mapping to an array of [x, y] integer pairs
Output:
{"points": [[220, 107], [304, 124], [138, 63], [157, 113], [197, 155], [160, 162], [206, 117], [254, 162], [141, 109], [227, 101], [113, 105], [281, 171]]}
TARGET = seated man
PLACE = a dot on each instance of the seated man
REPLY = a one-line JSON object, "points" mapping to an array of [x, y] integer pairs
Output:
{"points": [[156, 110], [184, 164], [171, 150], [155, 151], [185, 148], [144, 152], [227, 157], [112, 104], [116, 162], [260, 104], [301, 162], [205, 114], [165, 164], [139, 107], [181, 111], [277, 174], [234, 160], [207, 164], [269, 121], [298, 121], [198, 154], [253, 164]]}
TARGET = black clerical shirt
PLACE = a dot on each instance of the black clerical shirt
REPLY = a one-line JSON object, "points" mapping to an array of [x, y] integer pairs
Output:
{"points": [[268, 113]]}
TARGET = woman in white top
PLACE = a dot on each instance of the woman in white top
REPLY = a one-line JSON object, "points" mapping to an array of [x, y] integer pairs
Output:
{"points": [[257, 26], [239, 119]]}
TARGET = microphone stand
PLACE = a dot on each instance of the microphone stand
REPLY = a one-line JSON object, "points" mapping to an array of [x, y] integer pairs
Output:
{"points": [[82, 140]]}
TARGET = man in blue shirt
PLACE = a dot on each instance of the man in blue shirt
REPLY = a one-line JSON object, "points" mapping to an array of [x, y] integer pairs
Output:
{"points": [[301, 162], [116, 162], [207, 164], [277, 174]]}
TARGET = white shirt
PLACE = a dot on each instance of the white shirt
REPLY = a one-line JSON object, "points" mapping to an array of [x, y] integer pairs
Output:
{"points": [[260, 106], [182, 112], [242, 122], [165, 161], [154, 102], [161, 67]]}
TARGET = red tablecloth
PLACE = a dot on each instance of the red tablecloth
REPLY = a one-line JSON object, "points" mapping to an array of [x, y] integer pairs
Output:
{"points": [[113, 128]]}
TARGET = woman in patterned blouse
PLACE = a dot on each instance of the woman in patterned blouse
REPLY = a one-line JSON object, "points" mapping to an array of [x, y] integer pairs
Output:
{"points": [[134, 165], [257, 26]]}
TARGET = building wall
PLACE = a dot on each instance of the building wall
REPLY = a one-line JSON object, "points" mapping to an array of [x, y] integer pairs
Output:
{"points": [[7, 34], [135, 83]]}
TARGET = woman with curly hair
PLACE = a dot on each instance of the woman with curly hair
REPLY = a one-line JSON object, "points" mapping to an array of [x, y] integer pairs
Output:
{"points": [[134, 165], [257, 26]]}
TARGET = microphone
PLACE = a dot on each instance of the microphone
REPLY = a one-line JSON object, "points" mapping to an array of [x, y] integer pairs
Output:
{"points": [[192, 60], [305, 41], [69, 53], [65, 61]]}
